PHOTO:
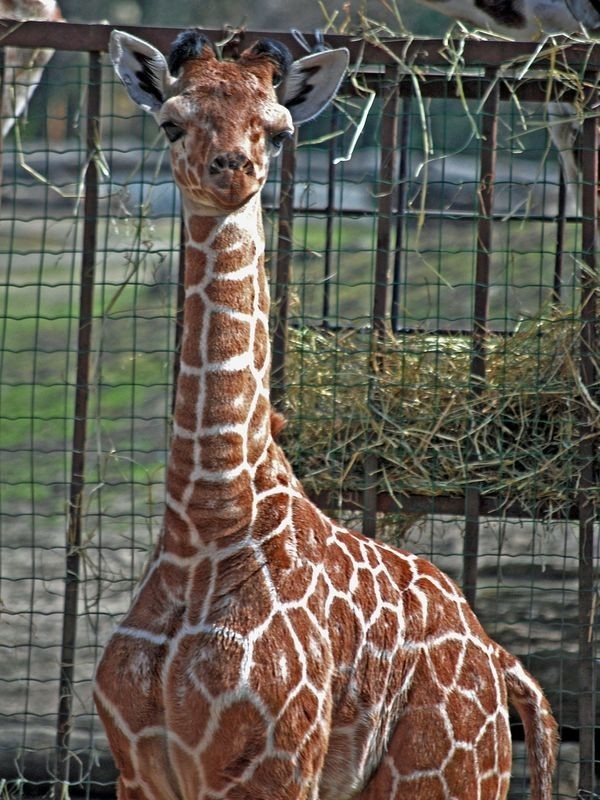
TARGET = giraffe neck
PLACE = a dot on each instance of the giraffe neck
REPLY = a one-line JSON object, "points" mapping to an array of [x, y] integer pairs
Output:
{"points": [[221, 429]]}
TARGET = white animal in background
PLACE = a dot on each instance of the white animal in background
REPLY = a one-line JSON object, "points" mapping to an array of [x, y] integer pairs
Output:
{"points": [[532, 20], [23, 68], [525, 20]]}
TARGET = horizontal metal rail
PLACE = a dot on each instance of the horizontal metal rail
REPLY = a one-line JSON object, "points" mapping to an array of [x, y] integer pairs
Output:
{"points": [[82, 37]]}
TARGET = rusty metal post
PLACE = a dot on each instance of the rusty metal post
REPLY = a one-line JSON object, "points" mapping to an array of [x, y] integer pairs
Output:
{"points": [[588, 476], [489, 131], [403, 171], [283, 272], [385, 211], [561, 224], [330, 211], [75, 512]]}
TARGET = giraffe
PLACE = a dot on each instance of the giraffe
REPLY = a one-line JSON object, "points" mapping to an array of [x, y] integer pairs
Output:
{"points": [[532, 20], [269, 652], [23, 68], [525, 20]]}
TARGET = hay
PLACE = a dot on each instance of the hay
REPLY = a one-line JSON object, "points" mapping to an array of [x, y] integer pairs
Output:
{"points": [[434, 432], [410, 402]]}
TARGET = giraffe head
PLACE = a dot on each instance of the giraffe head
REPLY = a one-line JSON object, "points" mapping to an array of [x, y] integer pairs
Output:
{"points": [[225, 120]]}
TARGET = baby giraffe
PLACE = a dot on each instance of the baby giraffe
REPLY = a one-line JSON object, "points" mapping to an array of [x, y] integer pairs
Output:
{"points": [[269, 653]]}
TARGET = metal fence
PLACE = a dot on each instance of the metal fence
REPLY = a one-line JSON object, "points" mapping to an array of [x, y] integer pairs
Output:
{"points": [[435, 353]]}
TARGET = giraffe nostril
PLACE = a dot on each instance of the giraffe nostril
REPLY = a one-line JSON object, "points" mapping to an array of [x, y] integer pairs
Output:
{"points": [[231, 161], [218, 165]]}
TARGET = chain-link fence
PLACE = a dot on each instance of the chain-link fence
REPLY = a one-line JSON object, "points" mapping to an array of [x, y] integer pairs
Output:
{"points": [[434, 326]]}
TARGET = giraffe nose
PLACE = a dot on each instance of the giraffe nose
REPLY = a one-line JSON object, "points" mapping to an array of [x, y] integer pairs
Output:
{"points": [[231, 161]]}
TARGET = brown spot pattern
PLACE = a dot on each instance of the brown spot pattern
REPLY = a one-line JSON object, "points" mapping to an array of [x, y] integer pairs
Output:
{"points": [[221, 451], [235, 295], [236, 259], [199, 590], [194, 315], [227, 337], [195, 267], [230, 394], [297, 718], [277, 671], [266, 666], [199, 228], [414, 736], [238, 741]]}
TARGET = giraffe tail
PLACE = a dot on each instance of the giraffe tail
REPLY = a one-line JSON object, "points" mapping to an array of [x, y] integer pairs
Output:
{"points": [[541, 730]]}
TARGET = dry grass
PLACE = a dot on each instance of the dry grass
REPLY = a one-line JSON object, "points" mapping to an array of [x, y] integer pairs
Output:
{"points": [[411, 402]]}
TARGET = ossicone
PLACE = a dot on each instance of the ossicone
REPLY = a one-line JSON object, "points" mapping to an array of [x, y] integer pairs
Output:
{"points": [[189, 44], [276, 52]]}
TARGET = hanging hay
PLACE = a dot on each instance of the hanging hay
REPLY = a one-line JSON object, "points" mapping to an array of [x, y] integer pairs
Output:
{"points": [[434, 432]]}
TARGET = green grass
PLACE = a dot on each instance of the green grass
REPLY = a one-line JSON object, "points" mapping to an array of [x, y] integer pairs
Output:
{"points": [[437, 272], [129, 385], [131, 364]]}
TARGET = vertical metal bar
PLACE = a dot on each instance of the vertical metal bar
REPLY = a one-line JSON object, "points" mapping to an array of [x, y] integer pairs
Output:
{"points": [[471, 543], [385, 210], [369, 515], [401, 207], [561, 224], [179, 312], [385, 205], [283, 272], [485, 228], [84, 339], [327, 270], [480, 312], [588, 468]]}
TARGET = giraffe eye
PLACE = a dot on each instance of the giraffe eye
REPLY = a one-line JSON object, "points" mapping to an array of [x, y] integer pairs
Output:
{"points": [[173, 132], [277, 139]]}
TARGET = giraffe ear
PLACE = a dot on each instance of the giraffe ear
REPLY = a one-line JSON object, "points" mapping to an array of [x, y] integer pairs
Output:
{"points": [[312, 83], [142, 69]]}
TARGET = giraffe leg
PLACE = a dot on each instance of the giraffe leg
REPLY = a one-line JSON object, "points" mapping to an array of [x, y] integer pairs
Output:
{"points": [[422, 764], [139, 755], [452, 739], [125, 792]]}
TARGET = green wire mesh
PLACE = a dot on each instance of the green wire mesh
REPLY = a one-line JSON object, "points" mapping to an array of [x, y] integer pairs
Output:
{"points": [[405, 397]]}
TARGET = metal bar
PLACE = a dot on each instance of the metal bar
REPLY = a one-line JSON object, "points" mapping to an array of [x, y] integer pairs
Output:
{"points": [[385, 211], [489, 130], [489, 505], [561, 225], [283, 272], [587, 453], [369, 496], [470, 87], [436, 332], [432, 213], [75, 512], [329, 211], [472, 513], [94, 37], [400, 209], [385, 204], [484, 231]]}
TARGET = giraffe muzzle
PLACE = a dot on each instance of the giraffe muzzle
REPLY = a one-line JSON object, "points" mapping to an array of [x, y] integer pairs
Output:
{"points": [[233, 162]]}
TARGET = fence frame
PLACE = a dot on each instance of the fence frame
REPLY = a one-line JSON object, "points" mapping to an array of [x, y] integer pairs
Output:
{"points": [[93, 39]]}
